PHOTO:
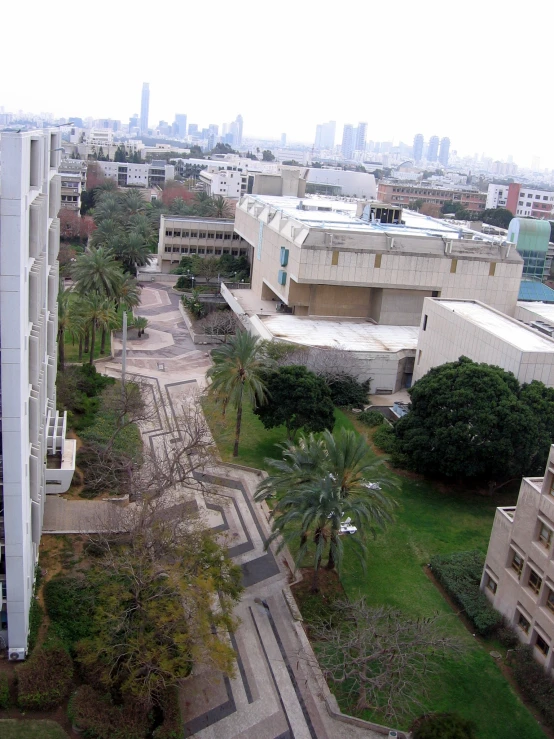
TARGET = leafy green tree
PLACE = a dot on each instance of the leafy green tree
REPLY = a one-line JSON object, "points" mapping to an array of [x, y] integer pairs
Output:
{"points": [[297, 399], [64, 322], [268, 156], [467, 421], [133, 202], [237, 375], [99, 313], [416, 205], [97, 271], [133, 252], [540, 400], [208, 268], [499, 217]]}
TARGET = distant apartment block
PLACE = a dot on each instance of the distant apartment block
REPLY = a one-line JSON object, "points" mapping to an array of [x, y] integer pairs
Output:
{"points": [[405, 195], [518, 577], [138, 175], [522, 200], [35, 457], [71, 189], [203, 237]]}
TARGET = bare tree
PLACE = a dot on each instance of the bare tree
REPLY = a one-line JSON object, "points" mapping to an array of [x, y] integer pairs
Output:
{"points": [[382, 658], [330, 364], [220, 323]]}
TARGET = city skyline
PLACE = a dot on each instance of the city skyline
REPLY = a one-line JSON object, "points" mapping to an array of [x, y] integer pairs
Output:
{"points": [[435, 99]]}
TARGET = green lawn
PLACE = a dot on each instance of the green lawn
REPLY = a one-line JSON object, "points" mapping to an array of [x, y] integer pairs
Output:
{"points": [[72, 349], [12, 729], [429, 521]]}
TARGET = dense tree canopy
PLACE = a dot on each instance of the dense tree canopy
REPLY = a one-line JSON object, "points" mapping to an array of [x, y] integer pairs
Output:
{"points": [[471, 420], [297, 398], [500, 217]]}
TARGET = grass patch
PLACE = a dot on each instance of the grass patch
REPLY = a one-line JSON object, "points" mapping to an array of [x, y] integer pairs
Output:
{"points": [[431, 520], [16, 729]]}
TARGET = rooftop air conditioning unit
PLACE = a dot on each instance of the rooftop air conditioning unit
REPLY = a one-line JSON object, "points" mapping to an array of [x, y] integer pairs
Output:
{"points": [[16, 655]]}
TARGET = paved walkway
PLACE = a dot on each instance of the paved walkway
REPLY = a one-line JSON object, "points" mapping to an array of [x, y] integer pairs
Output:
{"points": [[276, 693]]}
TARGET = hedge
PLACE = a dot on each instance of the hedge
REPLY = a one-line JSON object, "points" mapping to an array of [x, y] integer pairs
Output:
{"points": [[4, 691], [536, 686], [95, 715], [128, 441], [172, 724], [371, 418], [44, 681], [460, 575], [384, 438], [443, 726], [69, 602]]}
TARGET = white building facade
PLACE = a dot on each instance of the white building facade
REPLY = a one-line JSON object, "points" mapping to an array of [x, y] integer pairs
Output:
{"points": [[138, 175], [35, 457]]}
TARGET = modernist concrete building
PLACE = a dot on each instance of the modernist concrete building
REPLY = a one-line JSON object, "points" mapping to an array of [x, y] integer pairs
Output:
{"points": [[404, 195], [138, 175], [204, 237], [325, 260], [341, 182], [35, 458], [452, 328], [518, 577]]}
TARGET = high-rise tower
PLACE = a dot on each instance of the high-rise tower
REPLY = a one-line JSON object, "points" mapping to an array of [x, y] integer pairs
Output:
{"points": [[239, 130], [444, 151], [361, 133], [144, 106], [348, 141], [418, 147], [433, 149]]}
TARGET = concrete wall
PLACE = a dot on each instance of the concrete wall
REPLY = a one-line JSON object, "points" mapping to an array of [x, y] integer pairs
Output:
{"points": [[518, 532], [447, 336]]}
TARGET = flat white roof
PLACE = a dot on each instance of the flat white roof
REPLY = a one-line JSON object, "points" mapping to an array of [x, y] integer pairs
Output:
{"points": [[350, 335], [509, 330], [544, 310]]}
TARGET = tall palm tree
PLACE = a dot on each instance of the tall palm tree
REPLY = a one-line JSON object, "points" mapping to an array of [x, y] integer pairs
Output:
{"points": [[106, 208], [237, 375], [220, 208], [64, 322], [133, 252], [97, 271], [99, 313], [106, 230], [301, 462], [202, 203], [133, 202], [140, 223], [129, 293]]}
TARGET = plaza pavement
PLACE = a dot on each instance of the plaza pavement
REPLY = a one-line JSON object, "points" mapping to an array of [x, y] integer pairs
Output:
{"points": [[277, 691]]}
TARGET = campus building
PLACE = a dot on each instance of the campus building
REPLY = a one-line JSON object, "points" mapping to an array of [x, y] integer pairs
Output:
{"points": [[362, 270], [518, 577], [138, 175], [521, 200], [35, 457], [404, 195], [203, 237]]}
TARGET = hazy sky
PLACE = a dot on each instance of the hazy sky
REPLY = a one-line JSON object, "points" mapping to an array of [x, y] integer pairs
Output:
{"points": [[478, 72]]}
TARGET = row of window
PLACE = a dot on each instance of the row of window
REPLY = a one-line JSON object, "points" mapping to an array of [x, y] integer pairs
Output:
{"points": [[193, 250], [70, 198], [202, 235], [537, 197]]}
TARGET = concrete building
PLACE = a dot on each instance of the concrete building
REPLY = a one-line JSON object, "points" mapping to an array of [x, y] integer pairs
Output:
{"points": [[228, 181], [138, 175], [144, 107], [71, 189], [405, 194], [35, 457], [433, 149], [203, 237], [444, 151], [361, 135], [450, 329], [521, 200], [418, 147], [325, 134], [348, 141], [531, 239], [518, 577], [341, 182]]}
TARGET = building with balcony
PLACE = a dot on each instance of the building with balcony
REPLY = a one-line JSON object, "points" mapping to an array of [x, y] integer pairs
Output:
{"points": [[71, 189], [138, 175], [35, 457], [202, 237], [404, 195], [518, 577]]}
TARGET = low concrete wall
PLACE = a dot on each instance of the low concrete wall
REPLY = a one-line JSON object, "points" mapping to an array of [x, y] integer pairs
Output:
{"points": [[197, 338], [157, 277]]}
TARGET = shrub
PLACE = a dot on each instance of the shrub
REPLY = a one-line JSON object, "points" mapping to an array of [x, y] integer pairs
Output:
{"points": [[535, 685], [371, 418], [4, 691], [69, 601], [44, 681], [460, 575], [172, 725], [385, 439], [127, 441], [443, 726], [95, 715], [507, 637], [347, 391]]}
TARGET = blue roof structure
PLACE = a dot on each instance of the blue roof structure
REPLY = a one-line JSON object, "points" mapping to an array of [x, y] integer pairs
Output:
{"points": [[530, 290]]}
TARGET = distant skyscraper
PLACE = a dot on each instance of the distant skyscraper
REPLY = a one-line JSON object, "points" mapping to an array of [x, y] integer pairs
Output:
{"points": [[325, 135], [144, 107], [318, 136], [444, 151], [348, 141], [361, 133], [418, 147], [181, 121], [283, 140], [239, 130], [433, 149]]}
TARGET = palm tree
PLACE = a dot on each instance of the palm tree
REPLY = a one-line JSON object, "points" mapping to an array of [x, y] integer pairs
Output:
{"points": [[105, 232], [128, 294], [140, 223], [237, 375], [133, 202], [106, 208], [99, 313], [202, 202], [64, 323], [133, 252], [141, 324], [96, 271], [301, 463], [220, 208]]}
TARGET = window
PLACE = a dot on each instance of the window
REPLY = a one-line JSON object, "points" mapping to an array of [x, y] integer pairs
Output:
{"points": [[425, 322], [545, 197], [202, 235], [545, 535], [491, 584], [227, 237], [177, 249], [520, 202], [176, 233], [201, 251], [534, 582], [211, 236], [523, 623], [527, 205], [517, 564], [335, 258], [217, 252], [550, 600], [168, 250], [453, 266], [192, 251], [194, 234], [377, 261], [219, 236], [537, 197], [169, 233], [492, 269], [541, 645]]}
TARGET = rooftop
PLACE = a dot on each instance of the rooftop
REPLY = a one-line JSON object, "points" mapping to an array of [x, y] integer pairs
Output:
{"points": [[544, 310], [504, 328], [349, 334], [533, 291]]}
